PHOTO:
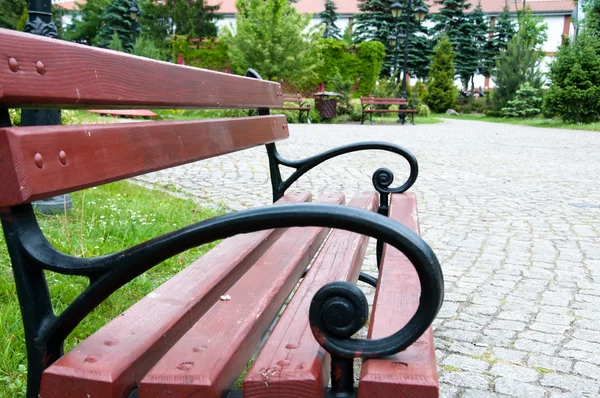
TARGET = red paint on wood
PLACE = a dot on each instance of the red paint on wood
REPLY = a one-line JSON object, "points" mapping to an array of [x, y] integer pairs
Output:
{"points": [[413, 372], [112, 361], [97, 154], [208, 359], [78, 76], [566, 25], [382, 101], [292, 363], [126, 112]]}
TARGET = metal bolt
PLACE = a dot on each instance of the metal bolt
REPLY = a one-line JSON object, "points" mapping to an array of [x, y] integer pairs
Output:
{"points": [[41, 69], [62, 156], [13, 64], [39, 160]]}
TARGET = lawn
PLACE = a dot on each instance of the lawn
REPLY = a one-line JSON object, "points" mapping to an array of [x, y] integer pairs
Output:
{"points": [[533, 122], [103, 220]]}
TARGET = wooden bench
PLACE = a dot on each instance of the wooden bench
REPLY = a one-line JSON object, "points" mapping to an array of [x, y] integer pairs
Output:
{"points": [[195, 334], [369, 107], [302, 106]]}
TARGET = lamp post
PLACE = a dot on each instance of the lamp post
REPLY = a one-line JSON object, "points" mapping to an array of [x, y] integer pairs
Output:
{"points": [[134, 13], [420, 12], [40, 23]]}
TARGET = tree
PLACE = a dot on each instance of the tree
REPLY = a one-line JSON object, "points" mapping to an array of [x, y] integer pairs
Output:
{"points": [[526, 103], [533, 28], [441, 92], [11, 12], [347, 36], [116, 19], [375, 23], [452, 21], [86, 25], [517, 65], [274, 39], [115, 43], [574, 93], [500, 34], [480, 39], [193, 18], [328, 18]]}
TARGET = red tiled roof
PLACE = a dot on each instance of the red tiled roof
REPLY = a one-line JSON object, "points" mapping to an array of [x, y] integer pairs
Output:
{"points": [[350, 7]]}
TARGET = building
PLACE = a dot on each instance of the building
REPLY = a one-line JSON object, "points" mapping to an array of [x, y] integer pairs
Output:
{"points": [[556, 13]]}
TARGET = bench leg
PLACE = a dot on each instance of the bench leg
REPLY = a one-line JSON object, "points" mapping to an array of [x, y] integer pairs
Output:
{"points": [[362, 118], [371, 118]]}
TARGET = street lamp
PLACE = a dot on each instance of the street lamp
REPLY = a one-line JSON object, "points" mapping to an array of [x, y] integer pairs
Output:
{"points": [[134, 13], [420, 12]]}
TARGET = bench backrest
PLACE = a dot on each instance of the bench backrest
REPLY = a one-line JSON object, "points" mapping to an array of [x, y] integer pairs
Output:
{"points": [[43, 161], [292, 98], [382, 101]]}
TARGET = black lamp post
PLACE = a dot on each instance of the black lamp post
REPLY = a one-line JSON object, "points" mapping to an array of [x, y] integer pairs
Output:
{"points": [[40, 23], [420, 12], [135, 13]]}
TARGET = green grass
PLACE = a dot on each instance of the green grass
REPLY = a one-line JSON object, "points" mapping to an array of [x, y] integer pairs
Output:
{"points": [[394, 119], [533, 122], [103, 220]]}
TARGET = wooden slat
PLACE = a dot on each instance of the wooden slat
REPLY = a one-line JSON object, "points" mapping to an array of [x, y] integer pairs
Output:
{"points": [[411, 373], [96, 154], [113, 360], [77, 76], [292, 363], [382, 101], [389, 110], [207, 360]]}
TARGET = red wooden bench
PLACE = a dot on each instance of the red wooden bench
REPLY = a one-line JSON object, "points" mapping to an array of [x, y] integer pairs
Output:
{"points": [[369, 107], [302, 106], [195, 334]]}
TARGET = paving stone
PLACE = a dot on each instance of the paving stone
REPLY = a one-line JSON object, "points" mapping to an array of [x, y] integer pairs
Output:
{"points": [[515, 372], [535, 346], [469, 393], [507, 355], [465, 363], [515, 388], [466, 379], [571, 383], [587, 369], [549, 362]]}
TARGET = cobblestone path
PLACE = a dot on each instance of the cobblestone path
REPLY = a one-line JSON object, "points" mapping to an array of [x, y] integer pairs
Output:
{"points": [[513, 214]]}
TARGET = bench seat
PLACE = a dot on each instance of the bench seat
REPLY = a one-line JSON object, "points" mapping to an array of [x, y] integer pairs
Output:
{"points": [[368, 105]]}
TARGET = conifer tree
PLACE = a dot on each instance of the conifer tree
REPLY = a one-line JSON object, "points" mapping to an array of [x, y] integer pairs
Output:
{"points": [[328, 18], [441, 92], [480, 38], [452, 21], [375, 23], [116, 20], [504, 30]]}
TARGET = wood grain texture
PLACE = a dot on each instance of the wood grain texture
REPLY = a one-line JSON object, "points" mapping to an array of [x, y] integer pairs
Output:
{"points": [[208, 359], [112, 361], [97, 154], [291, 363], [413, 372], [382, 101], [67, 75]]}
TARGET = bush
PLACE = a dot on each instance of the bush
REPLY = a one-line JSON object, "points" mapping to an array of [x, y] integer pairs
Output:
{"points": [[145, 47], [344, 87], [441, 93], [423, 110], [526, 103], [15, 116], [574, 93]]}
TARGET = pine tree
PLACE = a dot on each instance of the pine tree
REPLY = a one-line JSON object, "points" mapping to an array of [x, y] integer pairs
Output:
{"points": [[116, 19], [328, 18], [85, 28], [193, 18], [517, 65], [275, 40], [452, 21], [441, 92], [504, 30], [420, 48], [375, 23], [480, 38], [11, 12]]}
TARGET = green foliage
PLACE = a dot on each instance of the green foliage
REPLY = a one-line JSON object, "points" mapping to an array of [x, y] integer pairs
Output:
{"points": [[344, 87], [441, 92], [192, 18], [503, 31], [274, 39], [574, 93], [347, 36], [328, 18], [370, 60], [144, 47], [517, 65], [12, 10], [423, 110], [416, 94], [115, 43], [208, 55], [23, 20], [592, 16], [533, 29], [480, 38], [15, 116], [527, 102], [452, 21], [86, 26], [116, 19]]}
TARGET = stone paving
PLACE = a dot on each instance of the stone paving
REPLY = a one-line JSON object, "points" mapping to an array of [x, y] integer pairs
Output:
{"points": [[512, 212]]}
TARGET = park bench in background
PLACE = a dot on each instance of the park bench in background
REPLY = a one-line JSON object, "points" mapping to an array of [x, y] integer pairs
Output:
{"points": [[302, 107], [369, 104], [195, 334]]}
